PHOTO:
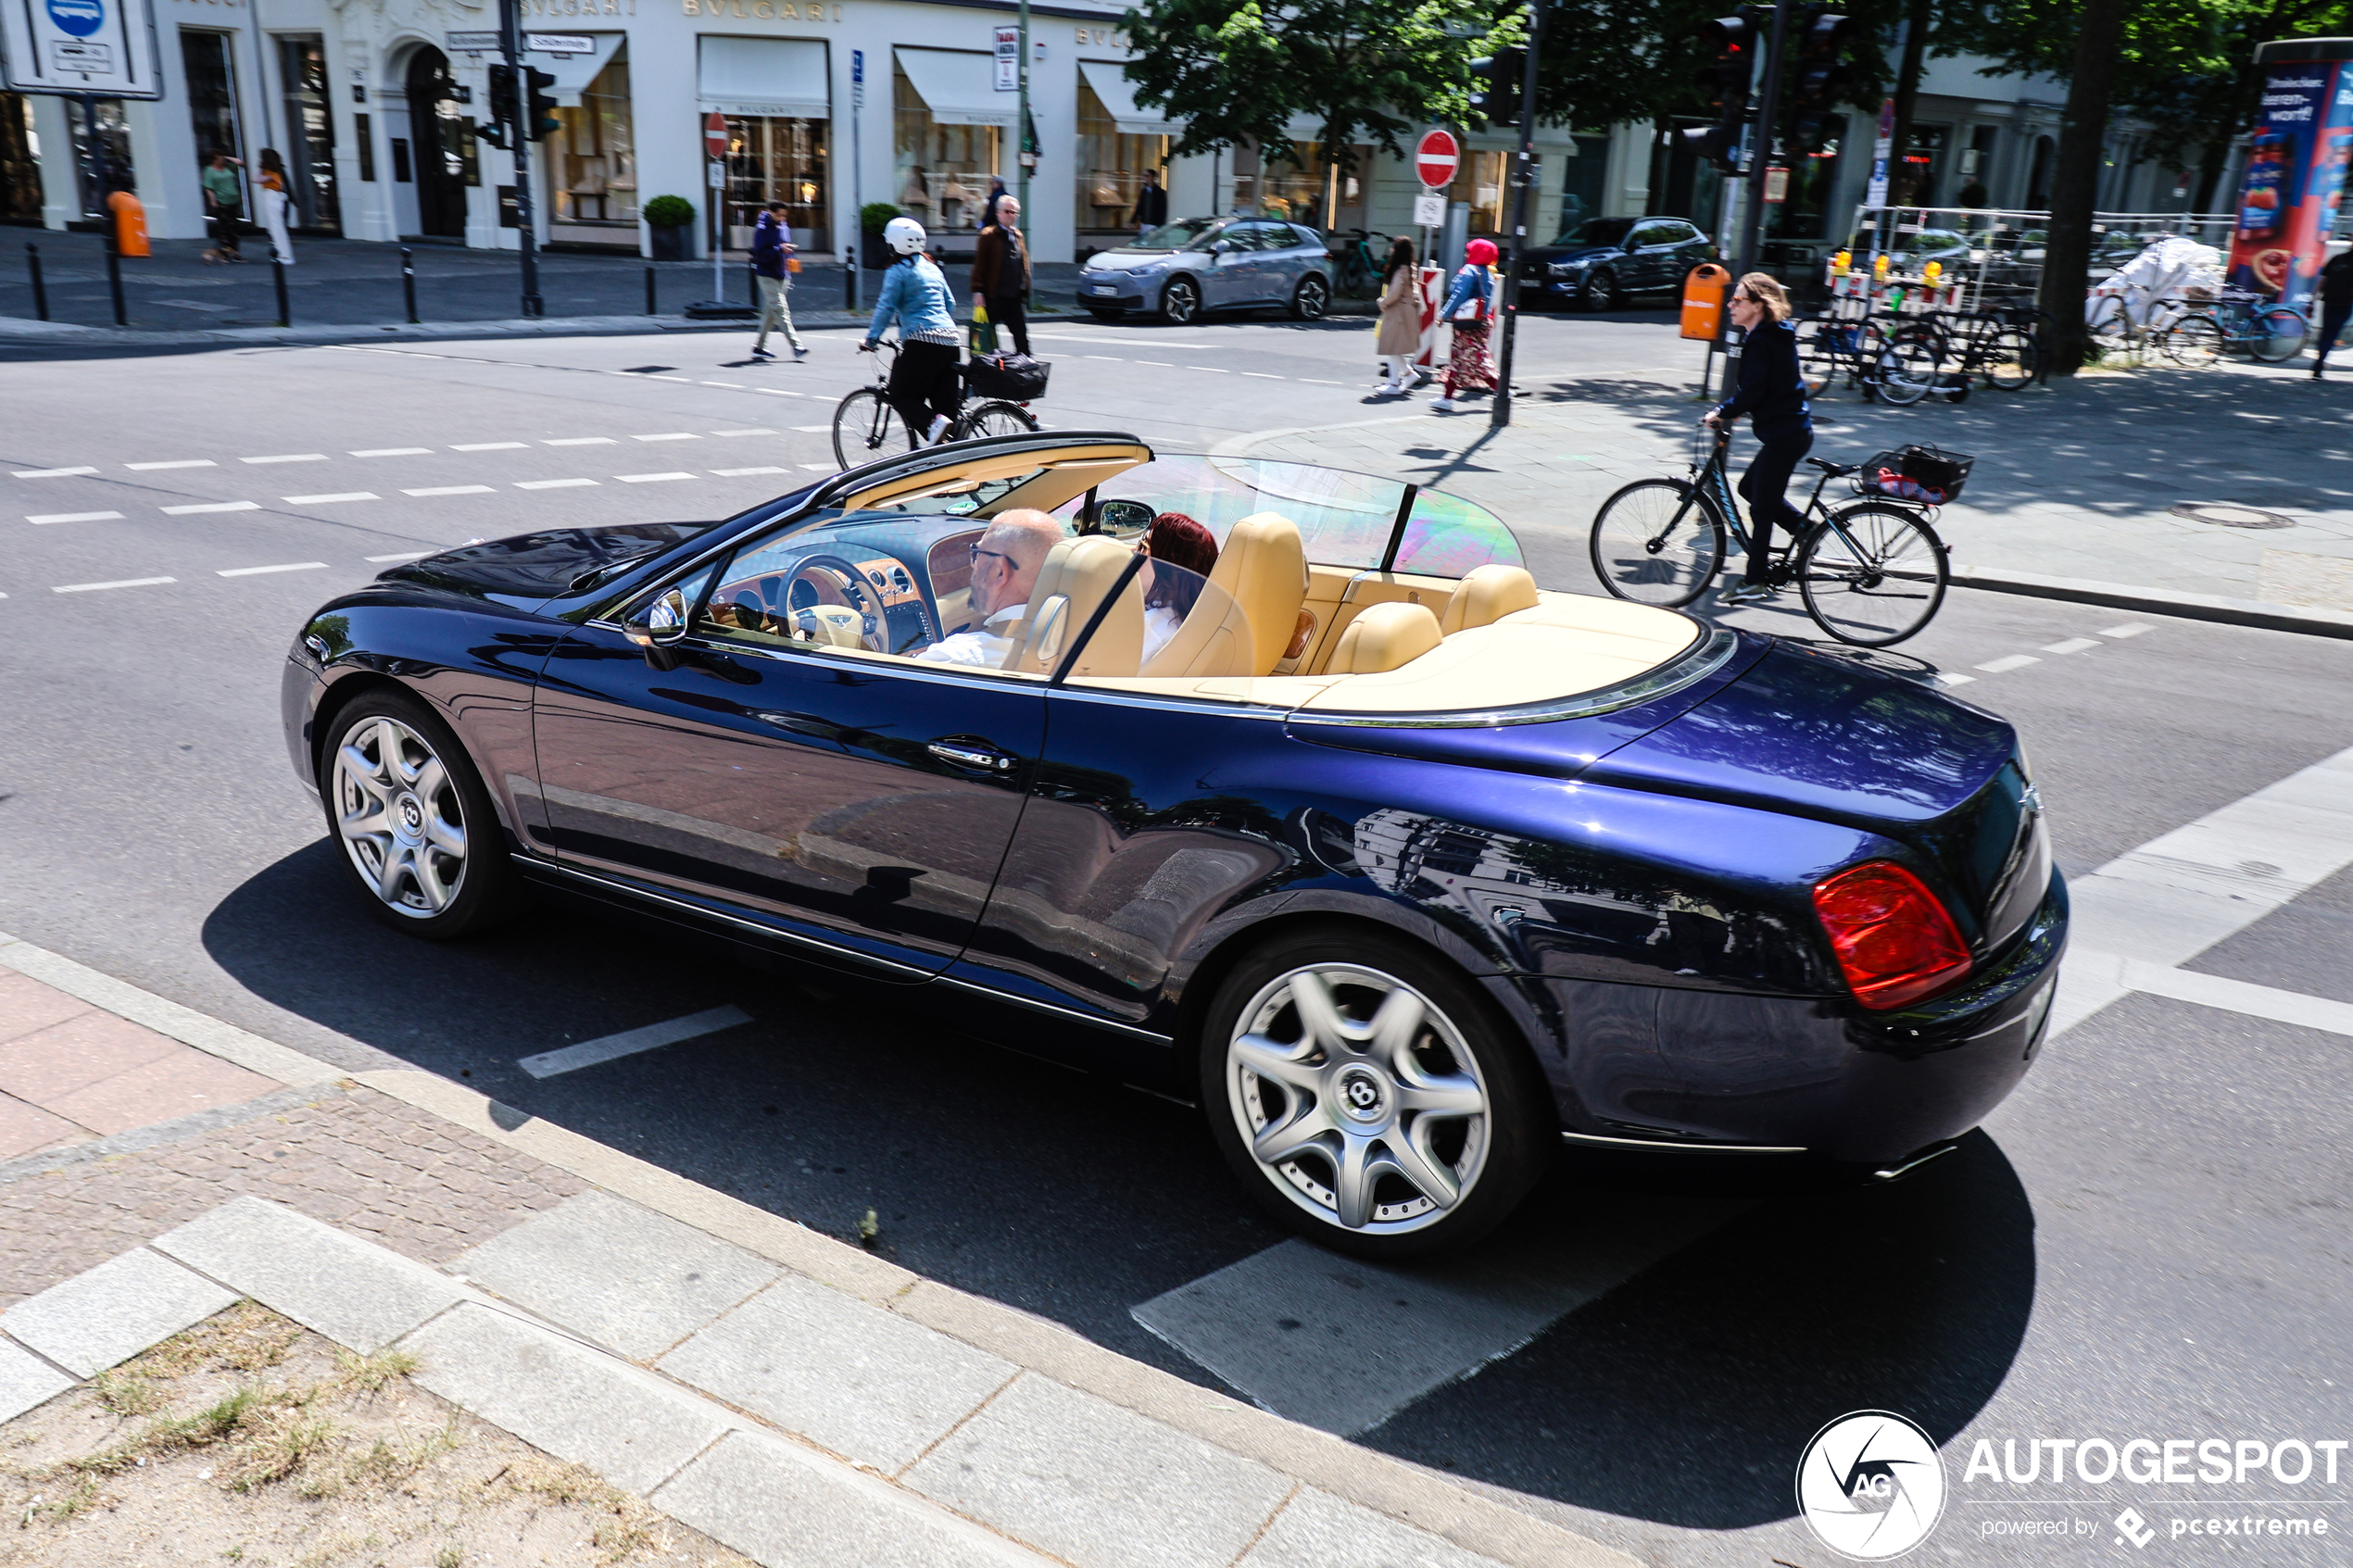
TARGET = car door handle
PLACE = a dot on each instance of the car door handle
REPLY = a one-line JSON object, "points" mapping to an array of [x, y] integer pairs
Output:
{"points": [[965, 754]]}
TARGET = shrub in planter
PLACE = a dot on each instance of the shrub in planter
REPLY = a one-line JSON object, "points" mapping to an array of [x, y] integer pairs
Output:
{"points": [[873, 254], [670, 221]]}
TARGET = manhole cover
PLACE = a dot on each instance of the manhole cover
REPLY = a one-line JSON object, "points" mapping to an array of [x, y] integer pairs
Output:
{"points": [[2230, 514]]}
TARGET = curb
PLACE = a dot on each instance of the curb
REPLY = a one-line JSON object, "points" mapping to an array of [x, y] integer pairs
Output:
{"points": [[1402, 1492], [21, 332]]}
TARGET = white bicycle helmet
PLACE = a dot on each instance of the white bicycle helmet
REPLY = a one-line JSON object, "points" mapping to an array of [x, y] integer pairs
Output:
{"points": [[904, 235]]}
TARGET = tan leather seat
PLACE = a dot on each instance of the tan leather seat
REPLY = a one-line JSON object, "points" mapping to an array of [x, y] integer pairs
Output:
{"points": [[1384, 637], [1248, 608], [1486, 596], [1075, 576]]}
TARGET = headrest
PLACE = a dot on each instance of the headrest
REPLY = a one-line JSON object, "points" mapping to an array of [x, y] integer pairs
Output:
{"points": [[1486, 596], [1249, 609], [1383, 637], [1077, 574]]}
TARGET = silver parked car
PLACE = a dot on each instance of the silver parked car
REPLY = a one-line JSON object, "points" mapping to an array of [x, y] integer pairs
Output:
{"points": [[1196, 264]]}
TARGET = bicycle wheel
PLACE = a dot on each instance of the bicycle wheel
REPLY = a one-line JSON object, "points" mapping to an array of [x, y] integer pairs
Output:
{"points": [[1657, 543], [865, 428], [993, 418], [2194, 342], [1871, 574], [2277, 333], [2111, 327], [2011, 360], [1907, 368]]}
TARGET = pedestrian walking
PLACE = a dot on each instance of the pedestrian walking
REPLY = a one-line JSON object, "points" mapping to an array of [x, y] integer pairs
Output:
{"points": [[772, 249], [223, 207], [1000, 272], [1471, 306], [926, 383], [1152, 204], [996, 195], [2337, 305], [1772, 394], [274, 202], [1401, 319]]}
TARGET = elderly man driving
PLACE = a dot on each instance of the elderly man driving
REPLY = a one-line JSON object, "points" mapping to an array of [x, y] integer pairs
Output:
{"points": [[1005, 563]]}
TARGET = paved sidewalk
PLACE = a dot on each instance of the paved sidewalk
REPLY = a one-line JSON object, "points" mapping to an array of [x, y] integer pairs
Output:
{"points": [[792, 1397], [2073, 496]]}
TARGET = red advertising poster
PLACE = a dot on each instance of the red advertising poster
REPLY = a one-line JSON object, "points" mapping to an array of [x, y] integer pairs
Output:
{"points": [[2296, 172]]}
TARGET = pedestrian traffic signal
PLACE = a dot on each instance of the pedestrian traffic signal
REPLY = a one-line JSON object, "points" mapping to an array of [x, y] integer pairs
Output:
{"points": [[1822, 76], [1498, 83], [539, 115], [1728, 45], [502, 104]]}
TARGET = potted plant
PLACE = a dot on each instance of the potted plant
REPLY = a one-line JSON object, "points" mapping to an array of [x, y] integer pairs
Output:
{"points": [[669, 223], [871, 219]]}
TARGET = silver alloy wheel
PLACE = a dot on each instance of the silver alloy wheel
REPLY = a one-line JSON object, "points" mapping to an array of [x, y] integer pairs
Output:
{"points": [[397, 810], [1358, 1098], [1601, 292], [1180, 301], [1309, 301]]}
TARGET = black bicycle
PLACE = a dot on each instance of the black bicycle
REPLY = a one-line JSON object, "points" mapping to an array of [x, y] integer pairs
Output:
{"points": [[866, 426], [1871, 571], [2000, 346]]}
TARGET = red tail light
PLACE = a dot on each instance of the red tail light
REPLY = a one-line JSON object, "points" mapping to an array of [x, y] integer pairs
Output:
{"points": [[1894, 940]]}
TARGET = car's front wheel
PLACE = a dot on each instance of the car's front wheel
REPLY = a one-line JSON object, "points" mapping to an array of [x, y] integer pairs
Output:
{"points": [[1311, 299], [1180, 301], [419, 834], [1369, 1096], [1601, 291]]}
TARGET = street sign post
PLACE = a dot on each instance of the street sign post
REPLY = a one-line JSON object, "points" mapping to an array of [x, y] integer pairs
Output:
{"points": [[1009, 59], [714, 142], [1525, 171], [102, 48], [484, 41], [1436, 158], [851, 247], [518, 141], [1429, 210], [715, 134], [560, 44]]}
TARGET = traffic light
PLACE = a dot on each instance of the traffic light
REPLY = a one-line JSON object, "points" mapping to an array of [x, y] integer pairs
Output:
{"points": [[1497, 86], [502, 104], [1822, 76], [539, 114], [1729, 45]]}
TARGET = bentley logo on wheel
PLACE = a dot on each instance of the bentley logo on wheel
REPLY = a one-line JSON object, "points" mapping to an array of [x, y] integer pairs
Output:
{"points": [[1361, 1092], [1871, 1485], [410, 816]]}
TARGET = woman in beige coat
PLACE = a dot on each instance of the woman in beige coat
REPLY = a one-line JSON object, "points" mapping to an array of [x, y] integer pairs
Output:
{"points": [[1401, 319]]}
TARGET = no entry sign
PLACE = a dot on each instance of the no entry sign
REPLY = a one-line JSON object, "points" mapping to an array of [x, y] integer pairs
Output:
{"points": [[1436, 156], [715, 134]]}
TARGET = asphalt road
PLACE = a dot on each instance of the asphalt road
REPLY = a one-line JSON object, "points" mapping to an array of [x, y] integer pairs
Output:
{"points": [[2147, 1239]]}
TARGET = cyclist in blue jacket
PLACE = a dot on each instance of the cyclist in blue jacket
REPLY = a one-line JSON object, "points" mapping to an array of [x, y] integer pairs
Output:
{"points": [[926, 385], [1772, 394]]}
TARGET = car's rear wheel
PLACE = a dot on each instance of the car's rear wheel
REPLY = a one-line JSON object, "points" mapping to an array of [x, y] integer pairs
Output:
{"points": [[1368, 1096], [420, 837], [1180, 301], [1311, 299]]}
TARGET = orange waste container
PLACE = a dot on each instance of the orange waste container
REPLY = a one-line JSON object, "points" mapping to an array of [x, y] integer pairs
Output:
{"points": [[130, 223], [1703, 300]]}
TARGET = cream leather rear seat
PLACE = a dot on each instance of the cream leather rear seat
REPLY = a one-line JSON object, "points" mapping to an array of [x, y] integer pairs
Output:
{"points": [[1486, 596], [1383, 637]]}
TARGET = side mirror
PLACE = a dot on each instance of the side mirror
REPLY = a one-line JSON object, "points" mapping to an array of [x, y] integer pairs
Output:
{"points": [[1123, 519], [1221, 247], [658, 627]]}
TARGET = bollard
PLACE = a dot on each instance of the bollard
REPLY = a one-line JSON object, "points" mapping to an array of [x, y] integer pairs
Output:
{"points": [[39, 289], [278, 276], [651, 308], [408, 283], [114, 281]]}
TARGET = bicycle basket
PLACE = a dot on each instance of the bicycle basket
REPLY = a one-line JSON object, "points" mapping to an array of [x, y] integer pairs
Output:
{"points": [[1016, 376], [1928, 475]]}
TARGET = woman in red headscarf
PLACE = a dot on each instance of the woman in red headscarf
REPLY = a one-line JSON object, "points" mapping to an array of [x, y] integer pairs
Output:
{"points": [[1176, 541], [1469, 307]]}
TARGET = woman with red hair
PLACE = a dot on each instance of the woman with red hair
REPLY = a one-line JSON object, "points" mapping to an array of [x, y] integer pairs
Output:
{"points": [[1182, 552], [1471, 306]]}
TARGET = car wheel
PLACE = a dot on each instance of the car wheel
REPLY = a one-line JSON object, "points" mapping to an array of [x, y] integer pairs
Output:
{"points": [[1180, 301], [1601, 292], [1369, 1096], [1311, 299], [420, 837]]}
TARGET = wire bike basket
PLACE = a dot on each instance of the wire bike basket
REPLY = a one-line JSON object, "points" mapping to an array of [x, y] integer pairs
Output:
{"points": [[1922, 475]]}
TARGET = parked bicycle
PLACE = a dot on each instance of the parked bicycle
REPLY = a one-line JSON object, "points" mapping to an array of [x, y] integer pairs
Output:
{"points": [[2237, 323], [1360, 261], [866, 426], [1832, 347], [1999, 345], [1871, 571]]}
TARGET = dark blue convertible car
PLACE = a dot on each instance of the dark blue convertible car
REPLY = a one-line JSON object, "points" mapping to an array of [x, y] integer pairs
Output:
{"points": [[1407, 870]]}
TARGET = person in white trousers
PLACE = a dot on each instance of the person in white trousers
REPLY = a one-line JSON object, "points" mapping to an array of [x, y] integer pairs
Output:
{"points": [[274, 203]]}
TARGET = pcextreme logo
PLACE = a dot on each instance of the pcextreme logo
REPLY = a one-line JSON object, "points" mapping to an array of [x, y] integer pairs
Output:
{"points": [[1872, 1485]]}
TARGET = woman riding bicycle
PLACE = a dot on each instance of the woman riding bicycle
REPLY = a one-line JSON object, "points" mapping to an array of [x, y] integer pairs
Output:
{"points": [[1773, 395], [926, 385]]}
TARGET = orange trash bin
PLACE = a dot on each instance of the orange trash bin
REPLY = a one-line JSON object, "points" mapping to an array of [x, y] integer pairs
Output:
{"points": [[130, 223], [1703, 300]]}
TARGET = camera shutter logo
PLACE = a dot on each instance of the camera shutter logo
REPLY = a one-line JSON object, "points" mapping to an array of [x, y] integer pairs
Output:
{"points": [[1872, 1485], [81, 17]]}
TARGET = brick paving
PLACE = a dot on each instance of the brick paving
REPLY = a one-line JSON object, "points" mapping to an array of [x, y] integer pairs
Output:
{"points": [[352, 1158]]}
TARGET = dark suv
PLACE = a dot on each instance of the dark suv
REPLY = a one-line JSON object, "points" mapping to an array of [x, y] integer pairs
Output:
{"points": [[1602, 260]]}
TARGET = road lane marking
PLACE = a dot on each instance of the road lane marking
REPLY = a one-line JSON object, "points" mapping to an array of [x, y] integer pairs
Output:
{"points": [[73, 517], [776, 392], [1953, 678], [1157, 364], [182, 463], [2130, 628], [812, 430], [338, 496], [732, 386], [125, 583], [583, 440], [490, 446], [1312, 380], [1211, 369], [755, 429], [1111, 358], [673, 435], [289, 458], [261, 570], [819, 468], [629, 1042], [450, 490], [47, 473], [392, 452], [2008, 662], [551, 484], [2215, 991], [405, 555], [2073, 645], [738, 473], [650, 478], [1262, 375], [213, 507], [2181, 892], [1289, 1326]]}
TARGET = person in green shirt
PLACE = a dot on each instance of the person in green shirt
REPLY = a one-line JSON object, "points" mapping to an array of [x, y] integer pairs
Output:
{"points": [[224, 205]]}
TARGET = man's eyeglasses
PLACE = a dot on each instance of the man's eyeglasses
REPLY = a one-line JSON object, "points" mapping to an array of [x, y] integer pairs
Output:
{"points": [[977, 552]]}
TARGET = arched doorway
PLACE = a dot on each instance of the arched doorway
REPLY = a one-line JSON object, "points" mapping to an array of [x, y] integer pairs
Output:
{"points": [[439, 134]]}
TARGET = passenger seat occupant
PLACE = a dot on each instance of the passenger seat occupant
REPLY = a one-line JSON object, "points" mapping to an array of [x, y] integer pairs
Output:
{"points": [[1005, 563], [1178, 541], [1384, 637], [1250, 608], [1486, 596]]}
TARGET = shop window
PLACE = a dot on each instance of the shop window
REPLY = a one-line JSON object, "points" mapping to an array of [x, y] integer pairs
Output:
{"points": [[1292, 188], [593, 154], [941, 172], [310, 134], [1804, 213], [19, 161], [1112, 166], [1480, 181], [777, 158]]}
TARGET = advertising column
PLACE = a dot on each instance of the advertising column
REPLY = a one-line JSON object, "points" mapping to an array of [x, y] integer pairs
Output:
{"points": [[2296, 168]]}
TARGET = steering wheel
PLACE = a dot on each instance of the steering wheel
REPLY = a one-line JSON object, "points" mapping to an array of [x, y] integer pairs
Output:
{"points": [[847, 612]]}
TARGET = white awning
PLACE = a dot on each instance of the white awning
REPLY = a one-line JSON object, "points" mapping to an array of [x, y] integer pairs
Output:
{"points": [[574, 73], [780, 77], [1118, 95], [958, 89]]}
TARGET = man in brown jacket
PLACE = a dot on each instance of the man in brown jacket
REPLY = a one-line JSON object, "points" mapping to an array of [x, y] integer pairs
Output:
{"points": [[1000, 272]]}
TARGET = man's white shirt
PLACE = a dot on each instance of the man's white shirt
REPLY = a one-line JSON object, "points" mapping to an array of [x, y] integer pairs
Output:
{"points": [[985, 648]]}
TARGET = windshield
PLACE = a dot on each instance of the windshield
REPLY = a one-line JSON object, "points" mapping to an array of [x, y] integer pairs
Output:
{"points": [[1186, 234], [1597, 231]]}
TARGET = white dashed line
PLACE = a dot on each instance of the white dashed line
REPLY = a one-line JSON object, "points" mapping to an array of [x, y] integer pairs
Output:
{"points": [[1312, 380], [406, 555], [183, 463], [776, 392], [259, 570], [1261, 375], [1108, 359], [673, 435], [754, 430], [551, 484], [738, 473], [732, 386], [2008, 662], [1953, 678], [582, 441], [2073, 645], [650, 478], [74, 517], [393, 452], [490, 446], [289, 458], [812, 430], [47, 473], [682, 381], [1157, 364], [653, 1037], [213, 507], [126, 582], [338, 496], [450, 490], [819, 468], [2130, 628], [1211, 369]]}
